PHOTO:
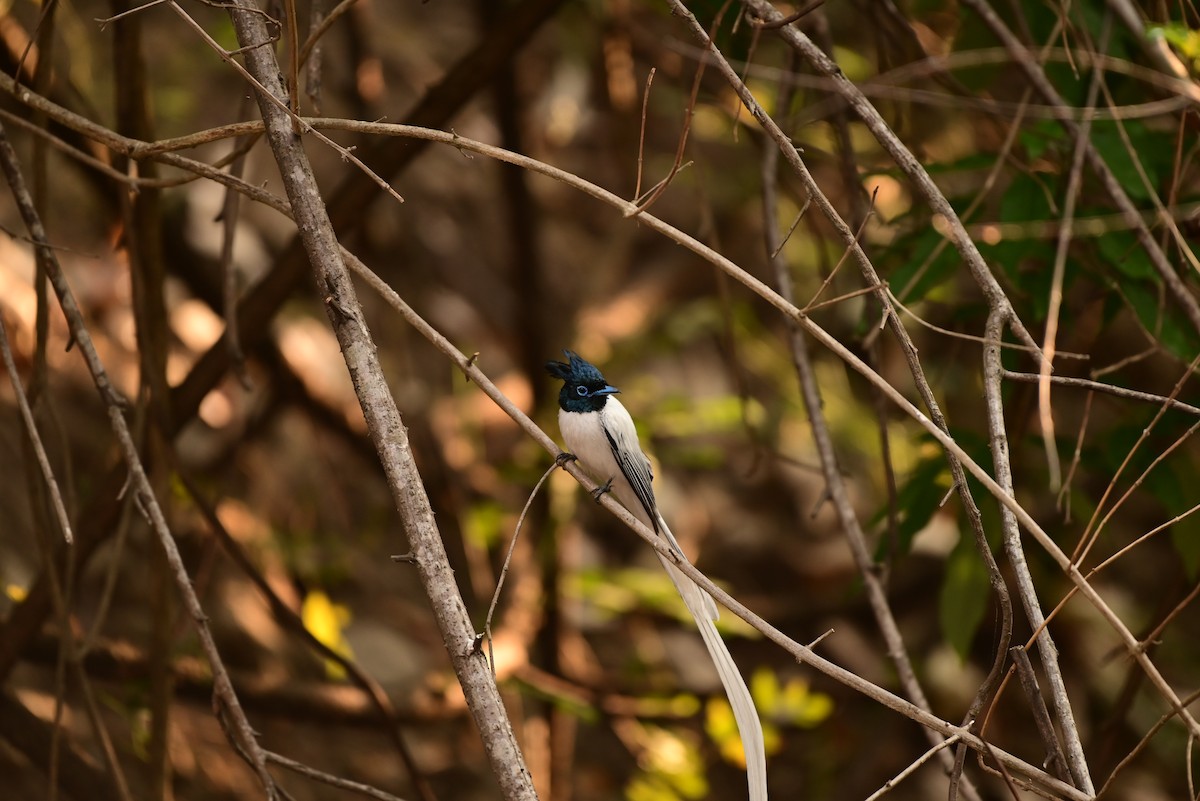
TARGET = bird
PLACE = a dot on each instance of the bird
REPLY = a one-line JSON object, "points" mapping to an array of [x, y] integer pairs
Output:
{"points": [[600, 434]]}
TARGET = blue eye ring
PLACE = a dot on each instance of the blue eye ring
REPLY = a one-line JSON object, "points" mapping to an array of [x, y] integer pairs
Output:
{"points": [[582, 391]]}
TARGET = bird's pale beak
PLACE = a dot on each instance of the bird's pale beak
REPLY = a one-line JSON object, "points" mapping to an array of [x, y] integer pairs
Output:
{"points": [[607, 391]]}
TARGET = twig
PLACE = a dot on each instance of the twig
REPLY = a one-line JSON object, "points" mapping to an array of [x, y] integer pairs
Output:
{"points": [[662, 185], [1041, 715], [788, 20], [330, 779], [1026, 590], [314, 36], [487, 626], [1127, 548], [1063, 501], [969, 337], [1092, 531], [35, 439], [783, 240], [104, 22], [229, 272], [908, 771], [842, 260], [637, 186], [1143, 743], [1107, 389], [1049, 341]]}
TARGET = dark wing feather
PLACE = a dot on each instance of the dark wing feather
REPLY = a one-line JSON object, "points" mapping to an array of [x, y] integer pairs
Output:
{"points": [[636, 469]]}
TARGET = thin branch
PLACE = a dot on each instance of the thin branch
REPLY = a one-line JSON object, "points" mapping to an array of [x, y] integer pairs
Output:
{"points": [[1107, 389], [487, 626], [908, 771], [655, 193], [1026, 590], [314, 36], [1054, 305], [1041, 715], [330, 779], [35, 439], [637, 186], [1092, 531]]}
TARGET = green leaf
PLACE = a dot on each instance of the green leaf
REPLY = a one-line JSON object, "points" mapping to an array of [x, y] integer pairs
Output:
{"points": [[1162, 319], [918, 499], [965, 591], [1040, 136], [1184, 39], [483, 524], [1027, 199], [1121, 250], [1168, 487], [1107, 140], [924, 277]]}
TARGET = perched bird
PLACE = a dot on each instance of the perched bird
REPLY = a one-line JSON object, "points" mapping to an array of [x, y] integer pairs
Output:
{"points": [[600, 433]]}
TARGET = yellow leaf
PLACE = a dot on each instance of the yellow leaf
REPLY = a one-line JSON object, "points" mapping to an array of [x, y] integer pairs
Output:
{"points": [[802, 706], [324, 620]]}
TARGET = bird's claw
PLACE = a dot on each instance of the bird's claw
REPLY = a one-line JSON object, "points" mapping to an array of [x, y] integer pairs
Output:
{"points": [[599, 492], [564, 457]]}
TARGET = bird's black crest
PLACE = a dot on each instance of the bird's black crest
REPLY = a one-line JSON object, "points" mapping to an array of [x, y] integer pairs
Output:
{"points": [[575, 369]]}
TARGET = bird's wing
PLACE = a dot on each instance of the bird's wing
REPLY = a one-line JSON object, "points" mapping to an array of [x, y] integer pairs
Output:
{"points": [[622, 439]]}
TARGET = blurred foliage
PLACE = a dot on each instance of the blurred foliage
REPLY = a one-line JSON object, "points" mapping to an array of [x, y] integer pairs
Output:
{"points": [[673, 768], [791, 703]]}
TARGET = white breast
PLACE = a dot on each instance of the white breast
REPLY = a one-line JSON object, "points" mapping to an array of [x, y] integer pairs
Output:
{"points": [[585, 437]]}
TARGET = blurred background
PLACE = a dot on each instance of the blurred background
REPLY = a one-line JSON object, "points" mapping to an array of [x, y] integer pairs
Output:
{"points": [[261, 459]]}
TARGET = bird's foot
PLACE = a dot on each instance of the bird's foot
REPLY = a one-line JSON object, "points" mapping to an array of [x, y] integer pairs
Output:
{"points": [[598, 492], [564, 457]]}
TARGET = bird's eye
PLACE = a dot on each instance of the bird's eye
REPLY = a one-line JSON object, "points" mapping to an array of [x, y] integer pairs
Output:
{"points": [[581, 391]]}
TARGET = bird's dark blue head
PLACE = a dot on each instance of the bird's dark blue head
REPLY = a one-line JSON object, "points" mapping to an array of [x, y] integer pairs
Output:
{"points": [[584, 388]]}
